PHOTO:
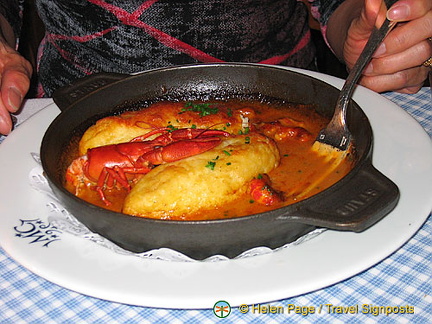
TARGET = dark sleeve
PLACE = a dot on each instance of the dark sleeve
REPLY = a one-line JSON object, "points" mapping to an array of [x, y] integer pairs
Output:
{"points": [[12, 11], [323, 9]]}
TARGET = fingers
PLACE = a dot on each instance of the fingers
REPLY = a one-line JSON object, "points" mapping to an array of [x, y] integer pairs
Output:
{"points": [[14, 86], [15, 82], [5, 121], [372, 14], [397, 63], [406, 35], [15, 73], [405, 10], [388, 63], [405, 81], [363, 25]]}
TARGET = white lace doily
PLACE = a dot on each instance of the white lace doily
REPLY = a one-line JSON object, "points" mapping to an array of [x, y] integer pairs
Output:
{"points": [[66, 222]]}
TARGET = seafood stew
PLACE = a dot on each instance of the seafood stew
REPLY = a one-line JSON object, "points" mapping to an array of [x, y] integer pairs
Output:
{"points": [[202, 160], [356, 202]]}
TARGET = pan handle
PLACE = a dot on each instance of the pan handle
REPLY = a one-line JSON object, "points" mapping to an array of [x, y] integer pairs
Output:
{"points": [[353, 204], [80, 88]]}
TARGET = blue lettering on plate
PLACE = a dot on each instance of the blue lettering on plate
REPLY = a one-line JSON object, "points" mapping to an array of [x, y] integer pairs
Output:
{"points": [[37, 231]]}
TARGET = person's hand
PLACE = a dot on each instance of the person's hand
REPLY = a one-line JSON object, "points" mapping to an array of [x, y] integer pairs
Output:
{"points": [[397, 65], [15, 74]]}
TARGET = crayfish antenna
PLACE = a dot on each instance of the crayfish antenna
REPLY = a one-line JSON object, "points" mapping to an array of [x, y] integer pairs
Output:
{"points": [[141, 138]]}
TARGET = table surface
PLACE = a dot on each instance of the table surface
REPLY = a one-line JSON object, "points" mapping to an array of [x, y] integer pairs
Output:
{"points": [[402, 279]]}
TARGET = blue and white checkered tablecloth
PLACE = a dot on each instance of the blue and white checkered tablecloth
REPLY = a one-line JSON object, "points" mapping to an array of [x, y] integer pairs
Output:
{"points": [[403, 279]]}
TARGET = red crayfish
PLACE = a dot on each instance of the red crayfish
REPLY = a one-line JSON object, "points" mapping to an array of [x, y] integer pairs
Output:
{"points": [[262, 192], [110, 164], [286, 128]]}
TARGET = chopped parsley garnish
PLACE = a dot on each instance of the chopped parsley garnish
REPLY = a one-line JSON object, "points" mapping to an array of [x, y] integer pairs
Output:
{"points": [[211, 165], [244, 131], [171, 128], [226, 152], [247, 140], [204, 109]]}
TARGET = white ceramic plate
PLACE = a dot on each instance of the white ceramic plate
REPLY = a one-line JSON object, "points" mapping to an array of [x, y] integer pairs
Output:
{"points": [[402, 151]]}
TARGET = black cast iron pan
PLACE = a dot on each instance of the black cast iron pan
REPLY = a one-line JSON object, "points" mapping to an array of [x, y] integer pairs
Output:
{"points": [[354, 203]]}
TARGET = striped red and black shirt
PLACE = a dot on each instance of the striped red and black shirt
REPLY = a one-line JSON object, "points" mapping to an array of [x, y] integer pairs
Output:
{"points": [[88, 36]]}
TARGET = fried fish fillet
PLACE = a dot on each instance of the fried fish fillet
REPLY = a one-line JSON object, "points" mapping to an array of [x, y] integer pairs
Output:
{"points": [[204, 181]]}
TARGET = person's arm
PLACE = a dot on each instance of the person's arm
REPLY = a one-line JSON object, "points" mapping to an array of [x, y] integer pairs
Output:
{"points": [[15, 74], [397, 64]]}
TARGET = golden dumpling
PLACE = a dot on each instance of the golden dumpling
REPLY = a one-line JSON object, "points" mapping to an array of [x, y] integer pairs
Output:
{"points": [[204, 181], [131, 124]]}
